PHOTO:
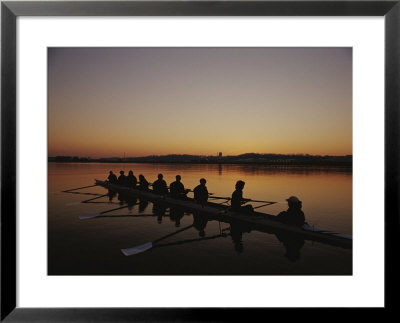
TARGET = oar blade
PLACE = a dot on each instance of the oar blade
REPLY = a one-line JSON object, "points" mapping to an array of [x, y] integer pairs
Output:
{"points": [[90, 216], [137, 249]]}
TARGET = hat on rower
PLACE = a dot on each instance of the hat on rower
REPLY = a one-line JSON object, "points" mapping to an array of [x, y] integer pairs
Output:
{"points": [[293, 199]]}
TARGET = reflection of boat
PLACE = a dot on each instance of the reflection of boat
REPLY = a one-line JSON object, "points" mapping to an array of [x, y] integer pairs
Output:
{"points": [[222, 213]]}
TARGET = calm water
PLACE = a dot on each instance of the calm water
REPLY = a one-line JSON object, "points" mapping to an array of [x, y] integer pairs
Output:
{"points": [[92, 246]]}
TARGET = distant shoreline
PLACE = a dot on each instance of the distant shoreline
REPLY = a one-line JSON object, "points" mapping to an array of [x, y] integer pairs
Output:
{"points": [[243, 159], [313, 163]]}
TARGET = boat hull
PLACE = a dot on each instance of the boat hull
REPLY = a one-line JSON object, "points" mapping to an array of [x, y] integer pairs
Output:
{"points": [[257, 220]]}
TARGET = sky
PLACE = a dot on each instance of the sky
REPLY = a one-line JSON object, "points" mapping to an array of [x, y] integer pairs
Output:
{"points": [[111, 102]]}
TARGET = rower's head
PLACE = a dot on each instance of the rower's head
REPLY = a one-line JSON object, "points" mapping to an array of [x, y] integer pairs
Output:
{"points": [[293, 201], [203, 181], [239, 185], [160, 176], [141, 176], [178, 178], [111, 172], [122, 172], [130, 172]]}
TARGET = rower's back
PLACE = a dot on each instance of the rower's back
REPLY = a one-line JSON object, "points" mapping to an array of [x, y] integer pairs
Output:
{"points": [[160, 186], [200, 192]]}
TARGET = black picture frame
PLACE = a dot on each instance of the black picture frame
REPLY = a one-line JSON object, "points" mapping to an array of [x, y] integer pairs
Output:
{"points": [[11, 10]]}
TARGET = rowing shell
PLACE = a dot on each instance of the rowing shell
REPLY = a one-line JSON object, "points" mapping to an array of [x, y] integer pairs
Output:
{"points": [[258, 220]]}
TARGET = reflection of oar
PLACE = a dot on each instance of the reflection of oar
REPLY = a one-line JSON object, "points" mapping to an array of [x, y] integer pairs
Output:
{"points": [[88, 201], [94, 198], [130, 215], [193, 240], [149, 245], [76, 203], [79, 188], [82, 217]]}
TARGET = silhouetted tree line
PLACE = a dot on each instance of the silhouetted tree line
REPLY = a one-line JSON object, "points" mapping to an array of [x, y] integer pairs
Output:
{"points": [[249, 158], [68, 159]]}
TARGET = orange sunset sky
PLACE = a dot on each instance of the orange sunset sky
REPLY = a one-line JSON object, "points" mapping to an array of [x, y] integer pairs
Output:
{"points": [[104, 102]]}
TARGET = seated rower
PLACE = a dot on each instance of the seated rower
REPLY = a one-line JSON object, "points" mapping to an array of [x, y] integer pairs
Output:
{"points": [[112, 178], [201, 192], [237, 199], [122, 178], [143, 183], [176, 189], [160, 186], [131, 179], [294, 215]]}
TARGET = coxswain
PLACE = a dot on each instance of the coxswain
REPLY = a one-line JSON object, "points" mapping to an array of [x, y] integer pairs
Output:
{"points": [[201, 192], [177, 189], [160, 186], [293, 215], [112, 178], [131, 179], [122, 178], [143, 183], [237, 199]]}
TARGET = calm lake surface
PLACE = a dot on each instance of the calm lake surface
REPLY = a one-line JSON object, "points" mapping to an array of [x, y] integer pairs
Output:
{"points": [[92, 246]]}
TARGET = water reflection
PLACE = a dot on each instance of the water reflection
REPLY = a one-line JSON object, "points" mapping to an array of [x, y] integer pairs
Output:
{"points": [[326, 192], [176, 214], [159, 210], [292, 244], [143, 204], [237, 229], [200, 223]]}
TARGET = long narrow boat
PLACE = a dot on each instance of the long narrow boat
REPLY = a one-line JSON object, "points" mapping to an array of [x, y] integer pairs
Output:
{"points": [[222, 213]]}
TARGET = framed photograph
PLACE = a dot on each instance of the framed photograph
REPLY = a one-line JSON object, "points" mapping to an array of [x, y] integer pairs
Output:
{"points": [[162, 159]]}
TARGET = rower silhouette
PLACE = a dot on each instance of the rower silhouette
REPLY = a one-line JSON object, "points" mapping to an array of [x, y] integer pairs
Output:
{"points": [[201, 192], [293, 215], [177, 189], [237, 199], [112, 178], [122, 178], [143, 183], [160, 186], [131, 180]]}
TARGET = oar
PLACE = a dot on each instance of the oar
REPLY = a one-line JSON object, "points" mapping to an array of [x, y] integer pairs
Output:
{"points": [[82, 217], [83, 193], [148, 245], [79, 188], [268, 202], [220, 198], [191, 191]]}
